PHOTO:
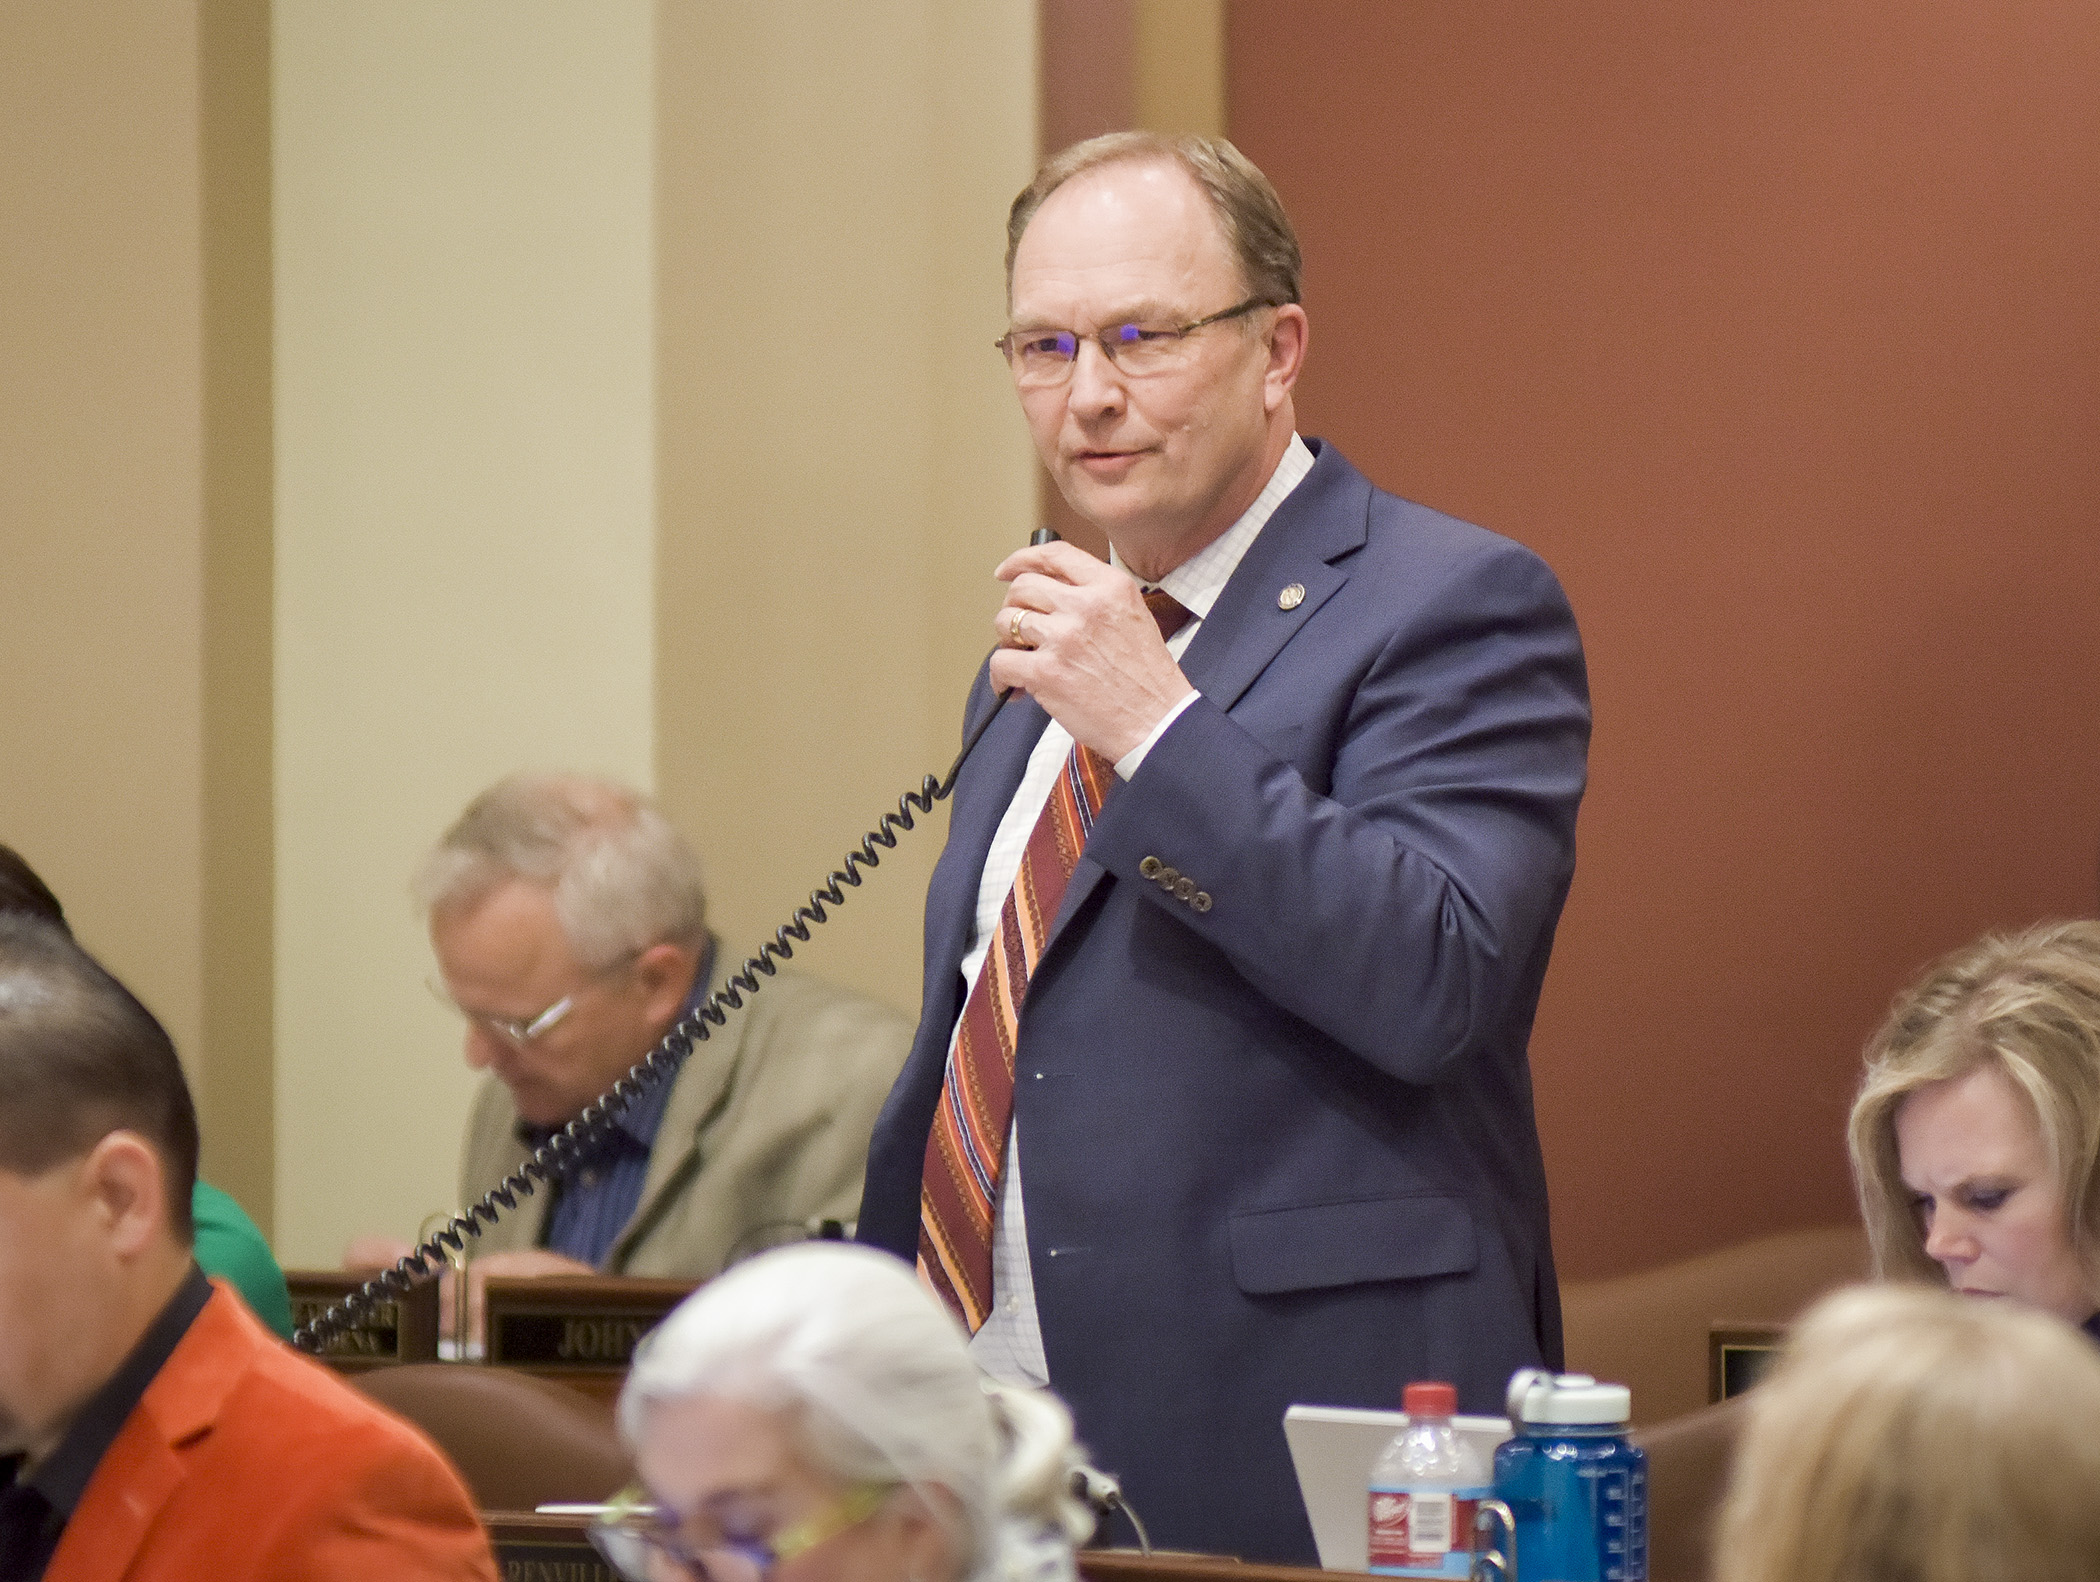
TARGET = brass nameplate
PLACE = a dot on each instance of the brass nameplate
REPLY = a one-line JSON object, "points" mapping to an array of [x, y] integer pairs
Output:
{"points": [[582, 1324], [376, 1336], [396, 1330], [557, 1562], [575, 1340]]}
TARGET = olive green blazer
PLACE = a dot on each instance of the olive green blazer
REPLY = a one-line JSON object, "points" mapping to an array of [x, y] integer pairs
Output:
{"points": [[766, 1130]]}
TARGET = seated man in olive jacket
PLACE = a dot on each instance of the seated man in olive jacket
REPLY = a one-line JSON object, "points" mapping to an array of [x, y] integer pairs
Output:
{"points": [[570, 931]]}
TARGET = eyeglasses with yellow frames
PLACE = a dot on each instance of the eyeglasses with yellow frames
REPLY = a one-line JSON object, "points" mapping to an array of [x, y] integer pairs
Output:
{"points": [[632, 1531]]}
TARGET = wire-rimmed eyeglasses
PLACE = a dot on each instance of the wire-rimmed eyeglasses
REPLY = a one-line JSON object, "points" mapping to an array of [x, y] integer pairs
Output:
{"points": [[520, 1033], [523, 1032], [1041, 357]]}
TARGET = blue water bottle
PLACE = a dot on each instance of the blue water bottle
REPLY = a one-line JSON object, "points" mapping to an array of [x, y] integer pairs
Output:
{"points": [[1575, 1485]]}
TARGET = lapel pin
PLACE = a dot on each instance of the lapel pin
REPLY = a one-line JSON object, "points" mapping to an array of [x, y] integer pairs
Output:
{"points": [[1291, 597]]}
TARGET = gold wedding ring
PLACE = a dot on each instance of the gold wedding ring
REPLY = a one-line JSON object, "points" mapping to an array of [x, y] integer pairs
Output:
{"points": [[1013, 627]]}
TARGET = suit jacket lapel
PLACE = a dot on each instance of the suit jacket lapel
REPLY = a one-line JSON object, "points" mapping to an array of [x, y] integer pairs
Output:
{"points": [[697, 1095], [105, 1532], [1320, 522], [143, 1467]]}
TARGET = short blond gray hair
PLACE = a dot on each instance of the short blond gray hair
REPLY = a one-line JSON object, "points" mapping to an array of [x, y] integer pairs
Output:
{"points": [[1915, 1434], [623, 878], [2026, 1005], [1248, 211]]}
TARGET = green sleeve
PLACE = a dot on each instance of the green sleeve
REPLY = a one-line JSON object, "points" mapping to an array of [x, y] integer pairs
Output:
{"points": [[230, 1246]]}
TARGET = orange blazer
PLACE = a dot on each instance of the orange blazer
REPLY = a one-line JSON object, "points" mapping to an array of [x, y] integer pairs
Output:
{"points": [[246, 1460]]}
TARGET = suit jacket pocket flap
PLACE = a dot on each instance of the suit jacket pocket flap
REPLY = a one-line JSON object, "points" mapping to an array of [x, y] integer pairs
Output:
{"points": [[1328, 1244]]}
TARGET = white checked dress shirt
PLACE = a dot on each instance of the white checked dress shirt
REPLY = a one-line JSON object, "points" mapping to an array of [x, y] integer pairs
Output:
{"points": [[1009, 1345]]}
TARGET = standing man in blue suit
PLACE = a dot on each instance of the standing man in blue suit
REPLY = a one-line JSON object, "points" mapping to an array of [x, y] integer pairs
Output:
{"points": [[1277, 923]]}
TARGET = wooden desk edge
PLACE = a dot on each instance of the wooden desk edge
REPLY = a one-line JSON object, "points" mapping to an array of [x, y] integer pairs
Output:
{"points": [[1097, 1565]]}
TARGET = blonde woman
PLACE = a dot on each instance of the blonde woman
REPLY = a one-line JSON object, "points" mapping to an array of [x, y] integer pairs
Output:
{"points": [[1975, 1139], [814, 1415], [1908, 1435]]}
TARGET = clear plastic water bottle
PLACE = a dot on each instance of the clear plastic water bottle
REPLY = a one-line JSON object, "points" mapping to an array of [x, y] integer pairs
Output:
{"points": [[1425, 1487], [1575, 1485]]}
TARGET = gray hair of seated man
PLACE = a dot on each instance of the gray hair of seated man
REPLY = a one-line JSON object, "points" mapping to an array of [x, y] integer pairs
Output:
{"points": [[623, 878], [1908, 1432], [879, 1380]]}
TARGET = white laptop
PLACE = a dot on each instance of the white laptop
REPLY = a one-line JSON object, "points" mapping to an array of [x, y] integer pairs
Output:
{"points": [[1333, 1447]]}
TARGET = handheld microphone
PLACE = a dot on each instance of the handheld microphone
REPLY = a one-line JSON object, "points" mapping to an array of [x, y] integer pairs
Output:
{"points": [[1042, 535]]}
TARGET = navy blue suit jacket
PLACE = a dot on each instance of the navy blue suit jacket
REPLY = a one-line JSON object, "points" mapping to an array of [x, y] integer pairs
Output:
{"points": [[1283, 1149]]}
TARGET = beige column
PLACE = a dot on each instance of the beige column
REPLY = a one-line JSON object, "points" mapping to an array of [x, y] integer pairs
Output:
{"points": [[840, 460], [237, 849], [135, 517], [101, 526], [464, 584]]}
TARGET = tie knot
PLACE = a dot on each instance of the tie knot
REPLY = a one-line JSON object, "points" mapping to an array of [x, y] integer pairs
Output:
{"points": [[1171, 614]]}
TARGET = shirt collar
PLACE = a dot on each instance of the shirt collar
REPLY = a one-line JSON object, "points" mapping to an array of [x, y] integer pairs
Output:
{"points": [[63, 1476], [1197, 581]]}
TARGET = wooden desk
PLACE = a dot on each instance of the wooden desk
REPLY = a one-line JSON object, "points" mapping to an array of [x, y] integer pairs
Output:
{"points": [[581, 1331], [534, 1548], [1131, 1565], [402, 1330]]}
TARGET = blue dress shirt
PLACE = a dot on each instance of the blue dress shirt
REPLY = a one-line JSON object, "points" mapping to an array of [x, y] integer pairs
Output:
{"points": [[598, 1196]]}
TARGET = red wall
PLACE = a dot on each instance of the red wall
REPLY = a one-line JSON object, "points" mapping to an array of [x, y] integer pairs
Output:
{"points": [[1776, 329]]}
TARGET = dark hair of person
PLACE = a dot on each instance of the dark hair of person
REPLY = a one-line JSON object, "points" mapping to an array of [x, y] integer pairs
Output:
{"points": [[81, 1058], [21, 890]]}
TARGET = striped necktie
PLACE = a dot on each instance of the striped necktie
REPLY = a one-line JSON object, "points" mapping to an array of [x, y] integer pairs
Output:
{"points": [[966, 1148]]}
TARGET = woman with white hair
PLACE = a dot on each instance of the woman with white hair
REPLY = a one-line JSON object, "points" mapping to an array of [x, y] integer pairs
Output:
{"points": [[814, 1414]]}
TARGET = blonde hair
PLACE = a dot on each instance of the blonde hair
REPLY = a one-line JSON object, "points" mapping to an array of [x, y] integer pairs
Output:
{"points": [[1248, 211], [1910, 1435], [623, 878], [2026, 1005], [879, 1381]]}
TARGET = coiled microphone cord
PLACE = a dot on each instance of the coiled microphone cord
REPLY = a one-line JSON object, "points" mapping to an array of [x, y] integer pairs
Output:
{"points": [[560, 1152]]}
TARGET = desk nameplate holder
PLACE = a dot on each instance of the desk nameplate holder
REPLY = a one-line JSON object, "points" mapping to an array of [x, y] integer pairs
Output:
{"points": [[581, 1331], [535, 1548], [404, 1329], [1737, 1356]]}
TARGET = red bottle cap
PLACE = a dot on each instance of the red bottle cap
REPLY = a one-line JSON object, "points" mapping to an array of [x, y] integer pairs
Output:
{"points": [[1429, 1400]]}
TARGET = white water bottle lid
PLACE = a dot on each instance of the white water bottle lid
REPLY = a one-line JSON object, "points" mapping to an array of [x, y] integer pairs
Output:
{"points": [[1573, 1399]]}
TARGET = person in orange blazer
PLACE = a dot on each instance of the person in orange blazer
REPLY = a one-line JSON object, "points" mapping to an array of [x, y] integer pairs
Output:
{"points": [[151, 1430], [245, 1459]]}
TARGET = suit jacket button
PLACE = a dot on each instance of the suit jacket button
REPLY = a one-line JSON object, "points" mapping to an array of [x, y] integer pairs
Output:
{"points": [[1184, 888], [1166, 877], [1149, 868], [1202, 901]]}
